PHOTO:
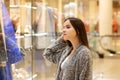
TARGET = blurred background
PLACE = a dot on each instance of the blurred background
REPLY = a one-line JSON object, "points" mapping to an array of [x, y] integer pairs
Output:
{"points": [[39, 22]]}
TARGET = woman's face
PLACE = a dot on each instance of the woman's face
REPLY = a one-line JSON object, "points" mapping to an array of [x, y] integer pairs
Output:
{"points": [[69, 32]]}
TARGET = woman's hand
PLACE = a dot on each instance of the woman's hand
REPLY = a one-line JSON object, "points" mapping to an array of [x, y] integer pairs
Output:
{"points": [[62, 37]]}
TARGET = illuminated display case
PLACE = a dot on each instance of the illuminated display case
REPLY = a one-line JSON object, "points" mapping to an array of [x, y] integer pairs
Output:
{"points": [[38, 23]]}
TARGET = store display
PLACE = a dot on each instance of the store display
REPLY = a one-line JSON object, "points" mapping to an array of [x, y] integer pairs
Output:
{"points": [[13, 52], [20, 74], [3, 53], [46, 24], [39, 22], [70, 9]]}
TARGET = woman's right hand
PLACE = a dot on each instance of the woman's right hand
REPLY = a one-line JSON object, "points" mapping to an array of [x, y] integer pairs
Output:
{"points": [[62, 37]]}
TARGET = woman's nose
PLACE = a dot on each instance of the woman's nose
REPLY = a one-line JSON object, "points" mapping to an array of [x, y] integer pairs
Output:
{"points": [[63, 30]]}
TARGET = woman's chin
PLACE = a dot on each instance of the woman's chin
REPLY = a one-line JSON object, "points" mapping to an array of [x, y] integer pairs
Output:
{"points": [[65, 39]]}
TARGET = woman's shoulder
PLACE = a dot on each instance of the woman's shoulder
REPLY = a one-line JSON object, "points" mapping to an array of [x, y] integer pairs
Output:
{"points": [[84, 51], [83, 48]]}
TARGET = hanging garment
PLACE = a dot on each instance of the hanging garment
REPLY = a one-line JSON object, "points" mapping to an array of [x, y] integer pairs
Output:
{"points": [[45, 26], [13, 52]]}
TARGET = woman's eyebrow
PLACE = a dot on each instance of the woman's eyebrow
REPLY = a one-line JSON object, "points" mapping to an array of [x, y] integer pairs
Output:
{"points": [[66, 25]]}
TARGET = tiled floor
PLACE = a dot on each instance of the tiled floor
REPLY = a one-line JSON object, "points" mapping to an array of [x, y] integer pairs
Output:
{"points": [[107, 68]]}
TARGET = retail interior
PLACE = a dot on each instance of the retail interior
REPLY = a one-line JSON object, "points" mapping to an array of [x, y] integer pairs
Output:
{"points": [[39, 22]]}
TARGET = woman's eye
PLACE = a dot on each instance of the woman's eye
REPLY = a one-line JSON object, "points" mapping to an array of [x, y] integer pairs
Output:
{"points": [[67, 27]]}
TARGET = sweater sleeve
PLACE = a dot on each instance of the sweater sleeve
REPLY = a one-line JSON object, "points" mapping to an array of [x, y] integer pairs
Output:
{"points": [[54, 51]]}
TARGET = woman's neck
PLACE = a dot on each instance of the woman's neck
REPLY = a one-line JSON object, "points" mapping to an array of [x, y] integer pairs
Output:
{"points": [[75, 43]]}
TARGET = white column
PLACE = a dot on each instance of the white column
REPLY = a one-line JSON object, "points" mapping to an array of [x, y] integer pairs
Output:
{"points": [[105, 17], [105, 22]]}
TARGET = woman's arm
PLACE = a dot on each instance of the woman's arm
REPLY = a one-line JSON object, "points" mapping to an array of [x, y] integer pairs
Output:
{"points": [[54, 51]]}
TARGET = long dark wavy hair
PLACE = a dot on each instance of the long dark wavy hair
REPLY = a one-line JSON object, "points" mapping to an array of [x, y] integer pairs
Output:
{"points": [[79, 27]]}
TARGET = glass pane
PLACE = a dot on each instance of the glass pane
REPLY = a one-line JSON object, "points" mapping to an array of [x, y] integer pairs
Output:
{"points": [[20, 12]]}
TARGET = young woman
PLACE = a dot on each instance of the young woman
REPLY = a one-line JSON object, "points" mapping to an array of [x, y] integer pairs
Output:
{"points": [[71, 52]]}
